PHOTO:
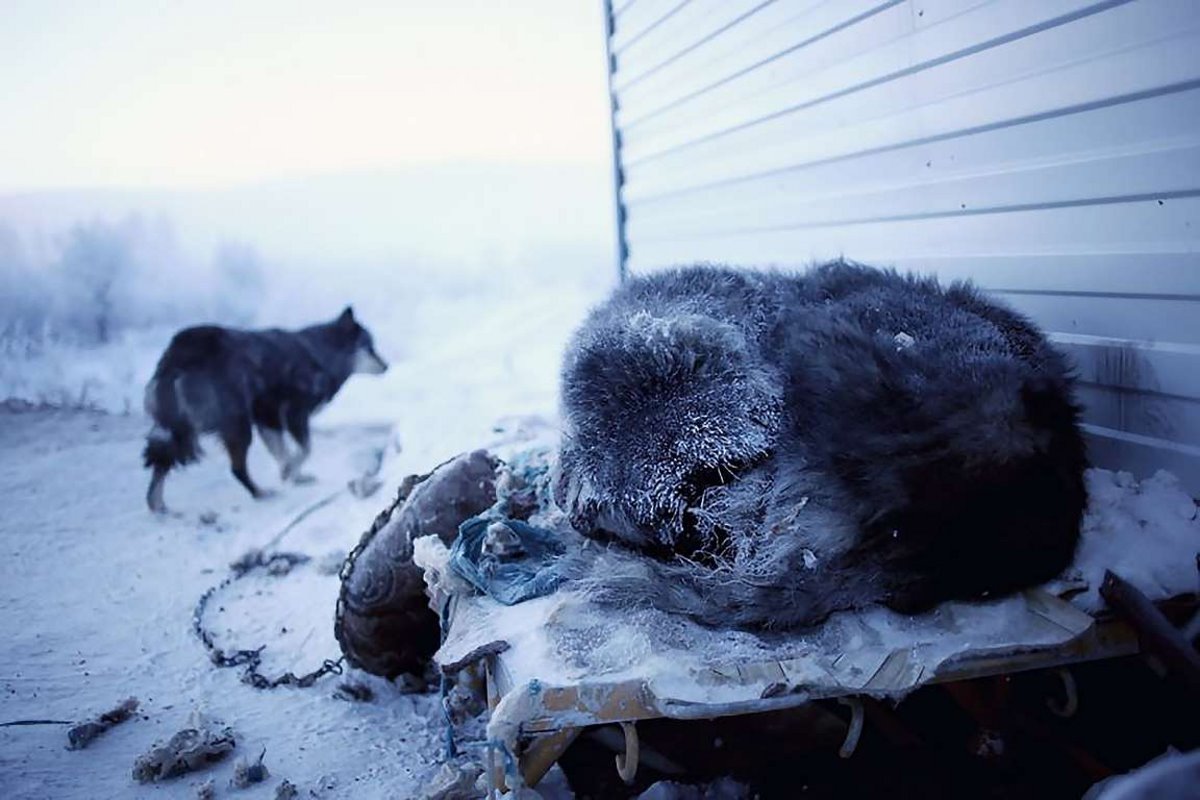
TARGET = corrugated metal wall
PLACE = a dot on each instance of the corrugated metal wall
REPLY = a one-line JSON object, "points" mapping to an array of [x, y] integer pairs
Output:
{"points": [[1048, 149]]}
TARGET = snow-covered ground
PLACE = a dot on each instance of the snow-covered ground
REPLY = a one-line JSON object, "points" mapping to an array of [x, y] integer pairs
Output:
{"points": [[96, 606], [96, 595]]}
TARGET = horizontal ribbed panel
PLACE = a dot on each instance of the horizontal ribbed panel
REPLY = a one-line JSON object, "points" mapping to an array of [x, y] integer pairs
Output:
{"points": [[1049, 150]]}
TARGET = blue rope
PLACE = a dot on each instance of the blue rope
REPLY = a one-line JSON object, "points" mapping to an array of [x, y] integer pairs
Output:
{"points": [[444, 685]]}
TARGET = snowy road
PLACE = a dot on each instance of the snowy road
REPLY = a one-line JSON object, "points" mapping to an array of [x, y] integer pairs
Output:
{"points": [[96, 595], [96, 598]]}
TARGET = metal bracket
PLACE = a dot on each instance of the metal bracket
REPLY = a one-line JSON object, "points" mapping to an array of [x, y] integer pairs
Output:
{"points": [[850, 743], [1070, 703], [627, 764]]}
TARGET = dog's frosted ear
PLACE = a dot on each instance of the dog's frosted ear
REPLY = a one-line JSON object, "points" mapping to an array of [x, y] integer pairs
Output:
{"points": [[346, 318]]}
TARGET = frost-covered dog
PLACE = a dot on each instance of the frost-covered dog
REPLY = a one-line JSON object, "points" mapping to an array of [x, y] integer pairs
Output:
{"points": [[775, 447], [229, 381]]}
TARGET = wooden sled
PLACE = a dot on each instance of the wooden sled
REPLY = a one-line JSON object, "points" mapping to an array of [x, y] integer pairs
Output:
{"points": [[538, 710]]}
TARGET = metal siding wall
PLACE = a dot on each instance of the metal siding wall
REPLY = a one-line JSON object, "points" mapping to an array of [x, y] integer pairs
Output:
{"points": [[1047, 149]]}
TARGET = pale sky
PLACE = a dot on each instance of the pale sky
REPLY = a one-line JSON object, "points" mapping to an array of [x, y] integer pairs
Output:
{"points": [[217, 92]]}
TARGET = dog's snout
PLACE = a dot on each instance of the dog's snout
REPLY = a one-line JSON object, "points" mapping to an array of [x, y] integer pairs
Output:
{"points": [[383, 365], [367, 361]]}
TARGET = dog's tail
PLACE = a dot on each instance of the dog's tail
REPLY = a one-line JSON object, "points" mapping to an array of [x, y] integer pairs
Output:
{"points": [[172, 441]]}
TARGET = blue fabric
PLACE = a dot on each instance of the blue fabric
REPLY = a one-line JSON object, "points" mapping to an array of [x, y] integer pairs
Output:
{"points": [[511, 580]]}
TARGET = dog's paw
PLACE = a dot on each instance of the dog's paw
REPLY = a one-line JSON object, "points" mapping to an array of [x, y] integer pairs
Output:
{"points": [[165, 513]]}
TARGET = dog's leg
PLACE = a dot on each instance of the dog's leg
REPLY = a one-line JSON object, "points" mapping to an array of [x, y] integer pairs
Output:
{"points": [[154, 495], [273, 439], [297, 425], [237, 436]]}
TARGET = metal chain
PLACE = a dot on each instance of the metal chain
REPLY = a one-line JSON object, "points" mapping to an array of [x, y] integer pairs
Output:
{"points": [[252, 659], [259, 559]]}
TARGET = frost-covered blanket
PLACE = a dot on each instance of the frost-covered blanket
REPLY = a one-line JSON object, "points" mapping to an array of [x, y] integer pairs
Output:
{"points": [[1148, 531]]}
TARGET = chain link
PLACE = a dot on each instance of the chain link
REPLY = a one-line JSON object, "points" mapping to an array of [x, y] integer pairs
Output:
{"points": [[285, 561], [252, 659]]}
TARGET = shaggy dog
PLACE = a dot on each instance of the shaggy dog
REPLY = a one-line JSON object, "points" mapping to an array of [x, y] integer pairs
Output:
{"points": [[229, 381], [775, 447]]}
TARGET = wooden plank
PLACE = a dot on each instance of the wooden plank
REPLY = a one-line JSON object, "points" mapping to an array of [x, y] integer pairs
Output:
{"points": [[591, 704], [1155, 632], [897, 673], [766, 673], [542, 752], [1059, 613], [563, 709]]}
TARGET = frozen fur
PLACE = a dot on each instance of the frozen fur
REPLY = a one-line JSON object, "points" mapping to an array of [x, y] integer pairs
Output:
{"points": [[229, 381], [777, 446]]}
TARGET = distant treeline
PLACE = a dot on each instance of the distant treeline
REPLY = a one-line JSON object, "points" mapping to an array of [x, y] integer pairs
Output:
{"points": [[91, 282]]}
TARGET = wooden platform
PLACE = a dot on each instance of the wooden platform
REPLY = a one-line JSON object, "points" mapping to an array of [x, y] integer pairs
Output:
{"points": [[539, 705]]}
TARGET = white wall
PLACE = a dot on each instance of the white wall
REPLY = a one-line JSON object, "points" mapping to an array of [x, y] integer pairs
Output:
{"points": [[1048, 149]]}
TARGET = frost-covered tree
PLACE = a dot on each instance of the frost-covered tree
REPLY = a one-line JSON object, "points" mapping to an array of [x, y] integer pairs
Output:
{"points": [[94, 256], [240, 281], [22, 298]]}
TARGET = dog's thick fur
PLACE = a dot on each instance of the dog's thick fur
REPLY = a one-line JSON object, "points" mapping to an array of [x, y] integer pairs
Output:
{"points": [[229, 381], [779, 446]]}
